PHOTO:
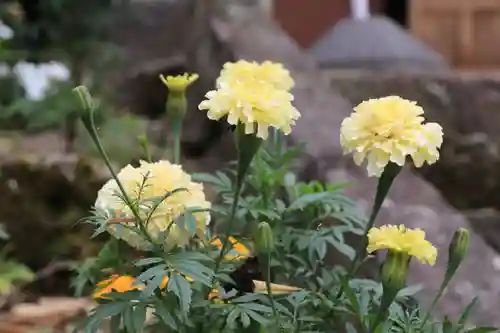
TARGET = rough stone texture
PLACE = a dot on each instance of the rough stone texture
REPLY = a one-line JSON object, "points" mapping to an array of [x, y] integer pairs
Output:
{"points": [[44, 193], [376, 43], [412, 201], [467, 107]]}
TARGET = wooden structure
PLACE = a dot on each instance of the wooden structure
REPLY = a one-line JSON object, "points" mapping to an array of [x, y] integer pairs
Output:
{"points": [[307, 20], [465, 32]]}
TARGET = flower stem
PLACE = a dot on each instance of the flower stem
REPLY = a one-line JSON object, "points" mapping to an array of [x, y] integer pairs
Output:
{"points": [[383, 186], [440, 292], [229, 229], [177, 131], [267, 270]]}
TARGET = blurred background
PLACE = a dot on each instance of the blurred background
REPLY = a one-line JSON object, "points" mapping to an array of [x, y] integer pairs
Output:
{"points": [[443, 54]]}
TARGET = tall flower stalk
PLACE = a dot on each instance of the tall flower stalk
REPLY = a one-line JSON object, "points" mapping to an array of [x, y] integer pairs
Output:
{"points": [[385, 132]]}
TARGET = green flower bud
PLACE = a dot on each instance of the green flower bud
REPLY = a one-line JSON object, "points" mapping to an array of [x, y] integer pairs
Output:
{"points": [[264, 239], [87, 106], [395, 270], [457, 251], [459, 245]]}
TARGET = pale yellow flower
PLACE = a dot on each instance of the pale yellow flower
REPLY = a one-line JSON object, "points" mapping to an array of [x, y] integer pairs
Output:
{"points": [[387, 130], [179, 82], [156, 179], [399, 238], [267, 72], [257, 106]]}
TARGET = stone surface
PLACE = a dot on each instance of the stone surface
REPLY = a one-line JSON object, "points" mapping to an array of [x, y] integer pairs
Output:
{"points": [[412, 201], [44, 193], [375, 43]]}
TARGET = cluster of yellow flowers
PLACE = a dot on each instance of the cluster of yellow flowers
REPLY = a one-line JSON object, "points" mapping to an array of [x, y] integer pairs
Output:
{"points": [[257, 96], [145, 184], [387, 130], [254, 95]]}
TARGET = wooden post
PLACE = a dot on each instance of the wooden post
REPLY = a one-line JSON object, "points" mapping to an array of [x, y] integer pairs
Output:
{"points": [[466, 35]]}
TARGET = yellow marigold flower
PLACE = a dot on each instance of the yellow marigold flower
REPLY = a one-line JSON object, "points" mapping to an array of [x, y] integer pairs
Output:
{"points": [[238, 252], [147, 182], [179, 82], [387, 130], [256, 105], [115, 283], [267, 72], [399, 238]]}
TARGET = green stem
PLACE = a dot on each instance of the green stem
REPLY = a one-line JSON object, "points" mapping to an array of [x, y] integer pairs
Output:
{"points": [[267, 270], [383, 186], [440, 292], [177, 131], [229, 229], [107, 161]]}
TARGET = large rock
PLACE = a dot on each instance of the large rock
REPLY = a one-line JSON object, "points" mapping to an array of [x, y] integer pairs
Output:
{"points": [[412, 201], [44, 193], [375, 43]]}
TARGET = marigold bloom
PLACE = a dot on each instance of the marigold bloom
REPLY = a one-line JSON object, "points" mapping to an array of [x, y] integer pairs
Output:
{"points": [[387, 130], [179, 82], [401, 239], [238, 251], [120, 284], [267, 72], [255, 104], [146, 183]]}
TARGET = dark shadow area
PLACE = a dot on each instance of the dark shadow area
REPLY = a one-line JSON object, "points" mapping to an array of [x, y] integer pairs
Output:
{"points": [[397, 10]]}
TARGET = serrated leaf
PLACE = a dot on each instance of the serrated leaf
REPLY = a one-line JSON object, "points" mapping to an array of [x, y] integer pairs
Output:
{"points": [[154, 284], [257, 317], [151, 273], [178, 285], [148, 261], [139, 317], [245, 319], [343, 248], [483, 330], [467, 312], [231, 318], [307, 199], [164, 315]]}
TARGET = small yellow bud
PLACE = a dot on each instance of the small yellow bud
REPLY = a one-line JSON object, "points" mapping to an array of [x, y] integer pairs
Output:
{"points": [[264, 238], [177, 102], [179, 82]]}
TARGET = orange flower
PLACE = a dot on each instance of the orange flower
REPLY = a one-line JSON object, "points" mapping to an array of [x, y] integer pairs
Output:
{"points": [[238, 252], [115, 283]]}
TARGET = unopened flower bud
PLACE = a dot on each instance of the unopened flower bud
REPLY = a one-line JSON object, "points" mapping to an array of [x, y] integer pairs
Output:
{"points": [[395, 270], [459, 245], [87, 106], [264, 239], [457, 250]]}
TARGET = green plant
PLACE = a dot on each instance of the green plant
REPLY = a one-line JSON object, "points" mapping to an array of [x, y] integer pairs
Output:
{"points": [[189, 277], [11, 271]]}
